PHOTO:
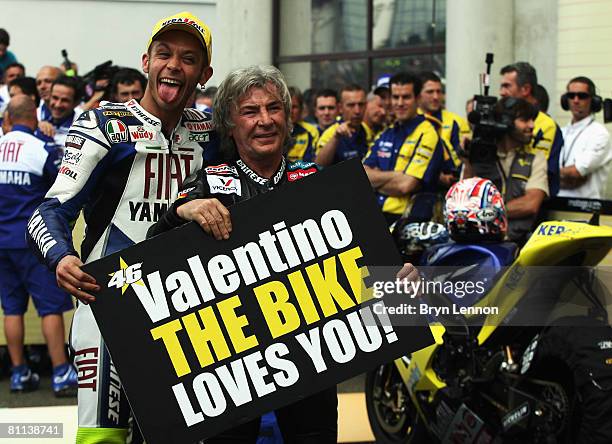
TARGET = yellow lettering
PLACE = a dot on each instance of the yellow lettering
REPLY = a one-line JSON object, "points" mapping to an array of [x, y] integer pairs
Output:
{"points": [[234, 324], [356, 275], [280, 314], [327, 289], [201, 337], [167, 333], [296, 279]]}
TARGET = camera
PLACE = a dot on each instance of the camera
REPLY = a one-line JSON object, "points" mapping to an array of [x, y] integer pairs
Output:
{"points": [[487, 130]]}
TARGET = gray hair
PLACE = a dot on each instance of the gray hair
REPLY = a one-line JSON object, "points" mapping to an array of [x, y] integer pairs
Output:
{"points": [[525, 74], [236, 85]]}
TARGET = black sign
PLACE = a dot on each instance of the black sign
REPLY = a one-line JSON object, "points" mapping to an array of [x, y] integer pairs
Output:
{"points": [[208, 334]]}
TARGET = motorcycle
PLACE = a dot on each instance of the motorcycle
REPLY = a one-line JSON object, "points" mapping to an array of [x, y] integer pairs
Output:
{"points": [[491, 382]]}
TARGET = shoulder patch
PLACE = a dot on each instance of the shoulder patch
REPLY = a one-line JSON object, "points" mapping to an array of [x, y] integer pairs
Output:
{"points": [[139, 133], [222, 169], [300, 164], [224, 184], [300, 169], [74, 141], [112, 106], [202, 126], [87, 120], [193, 115], [116, 131]]}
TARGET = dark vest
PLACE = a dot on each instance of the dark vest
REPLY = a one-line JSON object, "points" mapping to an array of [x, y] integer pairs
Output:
{"points": [[511, 187]]}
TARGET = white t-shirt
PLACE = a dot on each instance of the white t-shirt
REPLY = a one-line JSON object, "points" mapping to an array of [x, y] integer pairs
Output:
{"points": [[587, 147]]}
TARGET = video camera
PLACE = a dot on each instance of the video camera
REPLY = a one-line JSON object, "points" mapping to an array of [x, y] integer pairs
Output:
{"points": [[104, 71], [483, 148]]}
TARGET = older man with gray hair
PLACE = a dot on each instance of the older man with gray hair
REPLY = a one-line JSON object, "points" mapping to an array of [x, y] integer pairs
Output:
{"points": [[252, 116], [251, 112]]}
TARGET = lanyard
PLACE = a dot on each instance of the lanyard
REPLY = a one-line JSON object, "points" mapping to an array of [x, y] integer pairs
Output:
{"points": [[571, 147], [504, 178]]}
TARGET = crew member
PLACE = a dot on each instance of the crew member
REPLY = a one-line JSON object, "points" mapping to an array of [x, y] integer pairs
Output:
{"points": [[325, 108], [585, 157], [66, 93], [519, 174], [44, 80], [452, 128], [29, 167], [127, 84], [407, 156], [375, 116], [520, 80], [348, 137], [304, 135], [13, 71]]}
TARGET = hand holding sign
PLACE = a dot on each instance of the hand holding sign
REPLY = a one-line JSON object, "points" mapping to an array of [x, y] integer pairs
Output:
{"points": [[221, 332], [210, 214]]}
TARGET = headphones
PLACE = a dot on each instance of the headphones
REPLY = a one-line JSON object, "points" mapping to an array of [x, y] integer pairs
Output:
{"points": [[596, 101]]}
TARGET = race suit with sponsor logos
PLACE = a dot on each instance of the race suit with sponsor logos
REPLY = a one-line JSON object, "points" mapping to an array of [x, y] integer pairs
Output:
{"points": [[230, 183], [310, 420], [119, 168]]}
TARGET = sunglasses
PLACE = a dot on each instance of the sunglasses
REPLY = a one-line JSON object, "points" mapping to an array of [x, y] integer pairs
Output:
{"points": [[580, 95]]}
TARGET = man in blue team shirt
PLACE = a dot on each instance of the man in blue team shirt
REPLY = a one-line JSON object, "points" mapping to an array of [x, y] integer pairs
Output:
{"points": [[28, 167], [406, 158], [348, 137], [44, 80], [65, 95]]}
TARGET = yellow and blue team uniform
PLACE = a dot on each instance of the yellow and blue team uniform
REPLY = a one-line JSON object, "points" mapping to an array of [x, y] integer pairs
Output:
{"points": [[348, 147], [372, 134], [452, 129], [413, 148], [547, 138], [305, 137]]}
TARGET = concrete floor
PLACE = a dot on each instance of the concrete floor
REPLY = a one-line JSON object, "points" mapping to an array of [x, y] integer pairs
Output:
{"points": [[42, 406]]}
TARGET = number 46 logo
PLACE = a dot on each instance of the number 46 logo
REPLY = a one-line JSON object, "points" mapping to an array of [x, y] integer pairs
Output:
{"points": [[126, 276]]}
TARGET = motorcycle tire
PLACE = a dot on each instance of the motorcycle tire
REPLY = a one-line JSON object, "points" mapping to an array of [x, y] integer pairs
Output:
{"points": [[578, 356], [393, 417]]}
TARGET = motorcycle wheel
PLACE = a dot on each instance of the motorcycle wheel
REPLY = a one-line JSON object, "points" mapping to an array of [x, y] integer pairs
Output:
{"points": [[393, 417], [570, 356]]}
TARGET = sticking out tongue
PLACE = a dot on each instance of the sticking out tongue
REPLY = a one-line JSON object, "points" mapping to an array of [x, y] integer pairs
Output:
{"points": [[168, 93]]}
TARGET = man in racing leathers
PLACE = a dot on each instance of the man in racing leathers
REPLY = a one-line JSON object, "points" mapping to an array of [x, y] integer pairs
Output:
{"points": [[123, 165], [252, 116]]}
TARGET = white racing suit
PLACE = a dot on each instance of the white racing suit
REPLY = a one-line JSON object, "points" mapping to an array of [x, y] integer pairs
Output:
{"points": [[123, 173]]}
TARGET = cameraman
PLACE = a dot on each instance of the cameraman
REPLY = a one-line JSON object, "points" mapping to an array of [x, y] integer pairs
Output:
{"points": [[97, 85], [520, 80], [519, 175], [585, 157]]}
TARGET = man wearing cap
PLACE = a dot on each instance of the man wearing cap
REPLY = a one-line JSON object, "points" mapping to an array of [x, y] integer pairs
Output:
{"points": [[123, 165]]}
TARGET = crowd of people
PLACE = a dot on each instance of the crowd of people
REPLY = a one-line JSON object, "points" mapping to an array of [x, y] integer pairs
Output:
{"points": [[122, 147]]}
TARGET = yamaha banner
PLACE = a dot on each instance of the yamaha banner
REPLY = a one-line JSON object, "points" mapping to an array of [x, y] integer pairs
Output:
{"points": [[207, 334]]}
